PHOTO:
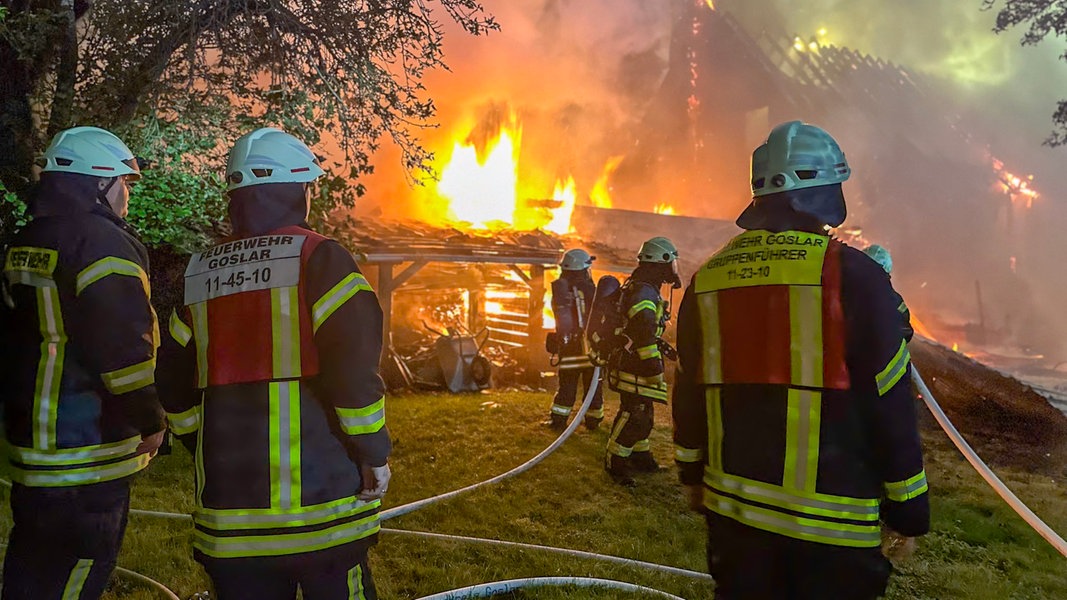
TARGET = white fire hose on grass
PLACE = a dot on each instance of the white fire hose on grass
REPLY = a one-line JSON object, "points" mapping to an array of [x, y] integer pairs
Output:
{"points": [[983, 469]]}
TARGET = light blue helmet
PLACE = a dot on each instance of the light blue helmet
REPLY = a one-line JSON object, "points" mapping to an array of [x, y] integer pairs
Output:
{"points": [[881, 256], [576, 260]]}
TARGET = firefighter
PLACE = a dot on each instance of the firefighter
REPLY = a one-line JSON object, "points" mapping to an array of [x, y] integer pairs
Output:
{"points": [[270, 375], [636, 372], [572, 299], [794, 425], [80, 409], [880, 255]]}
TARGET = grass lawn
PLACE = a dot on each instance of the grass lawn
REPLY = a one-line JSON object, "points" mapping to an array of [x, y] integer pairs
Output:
{"points": [[979, 548]]}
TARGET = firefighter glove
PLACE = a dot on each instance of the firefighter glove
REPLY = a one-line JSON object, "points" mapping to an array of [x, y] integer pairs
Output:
{"points": [[375, 482]]}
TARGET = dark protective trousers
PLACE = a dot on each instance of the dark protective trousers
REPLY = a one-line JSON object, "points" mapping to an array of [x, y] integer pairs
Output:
{"points": [[569, 379], [270, 579], [65, 540], [633, 423], [752, 564]]}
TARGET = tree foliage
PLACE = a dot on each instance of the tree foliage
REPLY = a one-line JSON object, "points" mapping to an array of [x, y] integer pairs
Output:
{"points": [[343, 75], [1043, 18]]}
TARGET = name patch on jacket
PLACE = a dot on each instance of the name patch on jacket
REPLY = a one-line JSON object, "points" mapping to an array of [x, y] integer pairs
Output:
{"points": [[259, 263], [39, 261], [765, 258]]}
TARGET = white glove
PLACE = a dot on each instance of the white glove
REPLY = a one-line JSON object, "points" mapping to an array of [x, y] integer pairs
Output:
{"points": [[375, 482]]}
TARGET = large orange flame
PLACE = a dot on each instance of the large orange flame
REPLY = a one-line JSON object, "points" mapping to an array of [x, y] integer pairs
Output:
{"points": [[600, 197], [664, 209]]}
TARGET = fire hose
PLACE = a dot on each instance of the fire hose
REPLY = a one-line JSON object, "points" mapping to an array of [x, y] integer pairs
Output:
{"points": [[983, 469]]}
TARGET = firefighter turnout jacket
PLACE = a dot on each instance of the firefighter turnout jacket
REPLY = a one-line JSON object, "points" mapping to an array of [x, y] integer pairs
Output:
{"points": [[81, 342], [272, 377], [572, 300], [639, 368], [792, 403]]}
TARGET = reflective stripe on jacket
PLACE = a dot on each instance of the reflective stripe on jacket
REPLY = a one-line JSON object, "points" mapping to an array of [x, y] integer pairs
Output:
{"points": [[79, 371], [272, 373], [792, 403]]}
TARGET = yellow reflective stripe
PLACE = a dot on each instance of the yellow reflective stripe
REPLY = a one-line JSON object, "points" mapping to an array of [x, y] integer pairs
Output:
{"points": [[336, 297], [711, 357], [49, 367], [111, 265], [198, 461], [687, 455], [285, 332], [186, 422], [640, 306], [642, 445], [810, 503], [273, 518], [596, 413], [896, 368], [563, 411], [650, 351], [613, 446], [199, 312], [355, 583], [285, 489], [903, 308], [74, 456], [179, 331], [277, 544], [902, 491], [803, 418], [713, 398], [358, 421], [76, 581], [805, 341], [802, 528], [131, 378], [80, 476]]}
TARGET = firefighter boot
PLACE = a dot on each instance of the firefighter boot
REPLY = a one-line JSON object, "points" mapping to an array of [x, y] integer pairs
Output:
{"points": [[555, 422], [621, 470], [592, 423], [643, 462]]}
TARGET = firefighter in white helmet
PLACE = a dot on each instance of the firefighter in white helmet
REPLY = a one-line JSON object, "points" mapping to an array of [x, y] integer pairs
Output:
{"points": [[271, 378], [572, 300], [794, 424], [637, 371], [81, 415]]}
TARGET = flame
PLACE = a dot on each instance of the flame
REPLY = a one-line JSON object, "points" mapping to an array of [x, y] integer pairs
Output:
{"points": [[664, 209], [710, 3], [798, 44], [955, 347], [601, 194], [548, 318], [566, 195], [482, 190], [1017, 188]]}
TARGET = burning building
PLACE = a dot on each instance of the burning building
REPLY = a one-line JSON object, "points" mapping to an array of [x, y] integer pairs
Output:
{"points": [[647, 130]]}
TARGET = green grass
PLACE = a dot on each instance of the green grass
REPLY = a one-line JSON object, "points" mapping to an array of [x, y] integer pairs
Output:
{"points": [[979, 548]]}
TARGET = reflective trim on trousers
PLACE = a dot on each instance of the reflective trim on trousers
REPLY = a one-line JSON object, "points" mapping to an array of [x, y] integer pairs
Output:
{"points": [[76, 581], [802, 528], [277, 544]]}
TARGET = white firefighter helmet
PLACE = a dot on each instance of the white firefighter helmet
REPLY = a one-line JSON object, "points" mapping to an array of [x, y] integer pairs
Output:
{"points": [[90, 151], [881, 256], [576, 260], [658, 250], [796, 156], [270, 155]]}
